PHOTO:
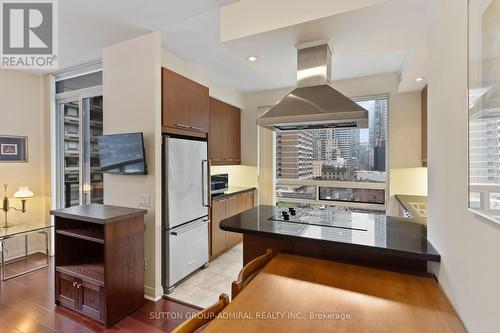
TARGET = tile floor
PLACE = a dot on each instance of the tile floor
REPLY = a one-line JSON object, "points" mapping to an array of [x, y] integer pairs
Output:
{"points": [[204, 287]]}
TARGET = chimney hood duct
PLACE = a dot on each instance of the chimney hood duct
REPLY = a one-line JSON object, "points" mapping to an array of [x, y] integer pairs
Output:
{"points": [[314, 103]]}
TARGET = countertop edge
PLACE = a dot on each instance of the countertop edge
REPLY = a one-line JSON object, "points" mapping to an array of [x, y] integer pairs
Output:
{"points": [[227, 195], [134, 212], [400, 253]]}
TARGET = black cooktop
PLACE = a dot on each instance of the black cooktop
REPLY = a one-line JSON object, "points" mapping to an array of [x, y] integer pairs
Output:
{"points": [[324, 218]]}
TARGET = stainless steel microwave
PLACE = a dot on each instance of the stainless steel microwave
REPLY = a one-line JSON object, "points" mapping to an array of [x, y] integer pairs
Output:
{"points": [[219, 183]]}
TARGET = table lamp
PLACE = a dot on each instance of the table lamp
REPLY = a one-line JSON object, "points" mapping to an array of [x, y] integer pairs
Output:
{"points": [[23, 193]]}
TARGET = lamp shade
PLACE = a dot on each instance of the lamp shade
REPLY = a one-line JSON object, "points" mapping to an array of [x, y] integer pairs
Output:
{"points": [[23, 192]]}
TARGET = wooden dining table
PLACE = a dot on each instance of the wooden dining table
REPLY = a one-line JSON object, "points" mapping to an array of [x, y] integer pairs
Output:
{"points": [[301, 294]]}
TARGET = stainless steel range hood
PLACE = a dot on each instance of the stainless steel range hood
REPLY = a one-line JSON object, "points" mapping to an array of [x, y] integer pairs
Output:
{"points": [[314, 103]]}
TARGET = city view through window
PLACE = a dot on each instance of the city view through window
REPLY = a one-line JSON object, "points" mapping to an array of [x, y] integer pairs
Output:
{"points": [[342, 155]]}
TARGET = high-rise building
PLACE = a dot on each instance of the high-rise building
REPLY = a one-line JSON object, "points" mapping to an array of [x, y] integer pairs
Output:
{"points": [[344, 140], [484, 151], [317, 166], [294, 154], [379, 156], [329, 142], [377, 131]]}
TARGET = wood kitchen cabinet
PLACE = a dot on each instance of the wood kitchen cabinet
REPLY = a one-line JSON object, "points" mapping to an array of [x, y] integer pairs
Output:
{"points": [[245, 201], [224, 133], [232, 238], [185, 105], [424, 111], [215, 134], [224, 208], [218, 235]]}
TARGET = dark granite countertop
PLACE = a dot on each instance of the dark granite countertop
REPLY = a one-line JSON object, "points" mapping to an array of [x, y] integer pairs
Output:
{"points": [[416, 205], [97, 213], [233, 190], [402, 237]]}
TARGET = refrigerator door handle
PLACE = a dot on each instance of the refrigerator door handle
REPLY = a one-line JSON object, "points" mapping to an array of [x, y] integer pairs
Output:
{"points": [[180, 231], [206, 179]]}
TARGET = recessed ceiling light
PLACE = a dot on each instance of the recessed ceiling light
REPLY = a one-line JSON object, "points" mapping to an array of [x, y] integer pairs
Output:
{"points": [[252, 58], [420, 79]]}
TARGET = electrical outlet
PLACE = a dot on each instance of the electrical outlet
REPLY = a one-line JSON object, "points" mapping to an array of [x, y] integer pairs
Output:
{"points": [[144, 200]]}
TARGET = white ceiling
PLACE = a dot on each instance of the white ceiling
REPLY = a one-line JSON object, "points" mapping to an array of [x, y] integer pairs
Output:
{"points": [[86, 26], [372, 40]]}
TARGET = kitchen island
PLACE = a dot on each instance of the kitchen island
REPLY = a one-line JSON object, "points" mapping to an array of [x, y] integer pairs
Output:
{"points": [[369, 239]]}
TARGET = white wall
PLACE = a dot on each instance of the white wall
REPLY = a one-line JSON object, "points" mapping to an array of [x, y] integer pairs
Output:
{"points": [[132, 103], [249, 17], [404, 126], [469, 245], [22, 114]]}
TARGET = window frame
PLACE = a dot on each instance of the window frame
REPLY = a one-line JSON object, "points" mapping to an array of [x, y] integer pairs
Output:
{"points": [[345, 184]]}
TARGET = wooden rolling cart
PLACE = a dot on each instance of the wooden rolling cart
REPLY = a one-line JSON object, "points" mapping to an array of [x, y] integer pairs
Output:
{"points": [[99, 260]]}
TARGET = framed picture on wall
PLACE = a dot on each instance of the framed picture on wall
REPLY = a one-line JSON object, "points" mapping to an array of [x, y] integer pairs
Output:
{"points": [[13, 148], [484, 108]]}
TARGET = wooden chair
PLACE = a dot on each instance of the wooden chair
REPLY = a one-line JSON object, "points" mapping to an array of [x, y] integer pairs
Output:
{"points": [[249, 272], [203, 317]]}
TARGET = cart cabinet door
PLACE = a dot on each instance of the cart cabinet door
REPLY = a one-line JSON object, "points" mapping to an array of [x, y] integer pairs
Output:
{"points": [[92, 300], [67, 293]]}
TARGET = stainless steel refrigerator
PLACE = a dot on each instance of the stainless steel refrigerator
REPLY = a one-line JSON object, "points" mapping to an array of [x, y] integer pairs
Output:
{"points": [[186, 198]]}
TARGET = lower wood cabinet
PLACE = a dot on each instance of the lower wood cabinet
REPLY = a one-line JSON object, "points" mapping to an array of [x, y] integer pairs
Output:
{"points": [[80, 295], [218, 235], [224, 208], [232, 238]]}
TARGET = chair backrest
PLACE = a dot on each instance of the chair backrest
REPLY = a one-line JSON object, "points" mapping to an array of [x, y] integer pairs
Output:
{"points": [[203, 317], [249, 272]]}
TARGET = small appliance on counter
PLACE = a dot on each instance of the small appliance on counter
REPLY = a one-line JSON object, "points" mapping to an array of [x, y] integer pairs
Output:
{"points": [[219, 183]]}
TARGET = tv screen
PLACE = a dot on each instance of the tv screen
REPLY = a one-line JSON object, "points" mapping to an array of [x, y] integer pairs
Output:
{"points": [[122, 154]]}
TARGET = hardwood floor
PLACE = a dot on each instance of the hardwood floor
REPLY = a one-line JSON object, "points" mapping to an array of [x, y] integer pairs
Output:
{"points": [[27, 305]]}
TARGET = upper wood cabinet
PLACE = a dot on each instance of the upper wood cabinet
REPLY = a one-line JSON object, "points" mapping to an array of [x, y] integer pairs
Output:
{"points": [[185, 108], [198, 102], [424, 111], [224, 134], [215, 134]]}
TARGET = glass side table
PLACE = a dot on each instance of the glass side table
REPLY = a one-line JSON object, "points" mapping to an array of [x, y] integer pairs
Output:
{"points": [[20, 230]]}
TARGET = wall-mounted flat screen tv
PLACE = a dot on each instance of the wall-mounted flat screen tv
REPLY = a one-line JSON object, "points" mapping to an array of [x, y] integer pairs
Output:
{"points": [[122, 154]]}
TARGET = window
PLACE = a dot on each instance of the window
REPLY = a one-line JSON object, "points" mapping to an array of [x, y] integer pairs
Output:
{"points": [[79, 82], [484, 109], [79, 103], [328, 166]]}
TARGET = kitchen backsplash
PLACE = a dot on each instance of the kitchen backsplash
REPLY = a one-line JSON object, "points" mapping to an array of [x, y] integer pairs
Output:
{"points": [[239, 175]]}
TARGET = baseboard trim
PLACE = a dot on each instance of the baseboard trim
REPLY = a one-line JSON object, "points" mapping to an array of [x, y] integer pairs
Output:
{"points": [[151, 294]]}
